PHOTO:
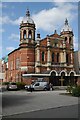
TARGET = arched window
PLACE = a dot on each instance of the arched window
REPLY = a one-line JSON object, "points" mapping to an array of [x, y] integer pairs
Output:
{"points": [[53, 73], [72, 74], [65, 38], [24, 34], [52, 57], [30, 34], [42, 56], [55, 45], [70, 40], [67, 58], [63, 74], [57, 57]]}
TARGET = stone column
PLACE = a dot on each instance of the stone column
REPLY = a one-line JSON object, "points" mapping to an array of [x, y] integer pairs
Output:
{"points": [[64, 52], [27, 35], [48, 54], [64, 57], [71, 58], [21, 34], [38, 57], [61, 57], [32, 36]]}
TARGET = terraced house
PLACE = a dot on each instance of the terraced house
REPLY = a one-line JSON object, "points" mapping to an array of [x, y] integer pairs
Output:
{"points": [[51, 58]]}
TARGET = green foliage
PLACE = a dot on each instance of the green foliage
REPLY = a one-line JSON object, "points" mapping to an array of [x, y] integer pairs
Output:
{"points": [[76, 91], [73, 90], [5, 83], [20, 85], [69, 88]]}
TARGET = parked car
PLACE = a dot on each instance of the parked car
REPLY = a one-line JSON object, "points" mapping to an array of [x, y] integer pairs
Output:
{"points": [[12, 86], [27, 87], [3, 88], [38, 86]]}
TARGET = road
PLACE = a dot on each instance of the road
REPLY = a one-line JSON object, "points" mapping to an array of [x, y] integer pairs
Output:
{"points": [[59, 112], [36, 104]]}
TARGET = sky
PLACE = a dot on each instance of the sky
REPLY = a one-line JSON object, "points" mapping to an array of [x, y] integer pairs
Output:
{"points": [[47, 17]]}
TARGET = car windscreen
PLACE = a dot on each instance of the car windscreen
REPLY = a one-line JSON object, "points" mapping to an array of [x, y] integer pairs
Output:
{"points": [[12, 83]]}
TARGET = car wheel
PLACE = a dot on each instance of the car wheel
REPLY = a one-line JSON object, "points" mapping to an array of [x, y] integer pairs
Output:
{"points": [[45, 89]]}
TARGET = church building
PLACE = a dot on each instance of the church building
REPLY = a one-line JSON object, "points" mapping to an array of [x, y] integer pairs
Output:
{"points": [[51, 58]]}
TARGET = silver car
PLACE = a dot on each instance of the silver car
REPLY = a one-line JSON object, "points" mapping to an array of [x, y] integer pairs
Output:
{"points": [[12, 86], [39, 86]]}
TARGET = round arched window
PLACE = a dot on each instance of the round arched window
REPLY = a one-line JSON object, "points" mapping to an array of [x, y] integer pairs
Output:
{"points": [[52, 57], [43, 56], [24, 34], [30, 34], [65, 38], [70, 40]]}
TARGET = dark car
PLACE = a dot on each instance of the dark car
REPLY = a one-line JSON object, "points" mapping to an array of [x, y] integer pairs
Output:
{"points": [[12, 86]]}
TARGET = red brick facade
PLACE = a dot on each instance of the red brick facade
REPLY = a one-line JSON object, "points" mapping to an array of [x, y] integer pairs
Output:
{"points": [[54, 53]]}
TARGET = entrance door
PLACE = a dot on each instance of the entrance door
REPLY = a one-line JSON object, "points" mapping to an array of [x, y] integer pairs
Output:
{"points": [[54, 79], [72, 78]]}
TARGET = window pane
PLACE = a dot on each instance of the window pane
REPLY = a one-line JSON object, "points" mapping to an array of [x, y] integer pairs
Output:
{"points": [[52, 57], [42, 56], [24, 34], [57, 57], [30, 34]]}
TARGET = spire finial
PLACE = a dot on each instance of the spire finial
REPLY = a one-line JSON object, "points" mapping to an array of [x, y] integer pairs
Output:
{"points": [[66, 22], [27, 13], [55, 31], [38, 34]]}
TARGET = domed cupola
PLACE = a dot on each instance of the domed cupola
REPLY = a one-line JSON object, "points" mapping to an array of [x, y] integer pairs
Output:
{"points": [[66, 27], [27, 18], [67, 34], [27, 30]]}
